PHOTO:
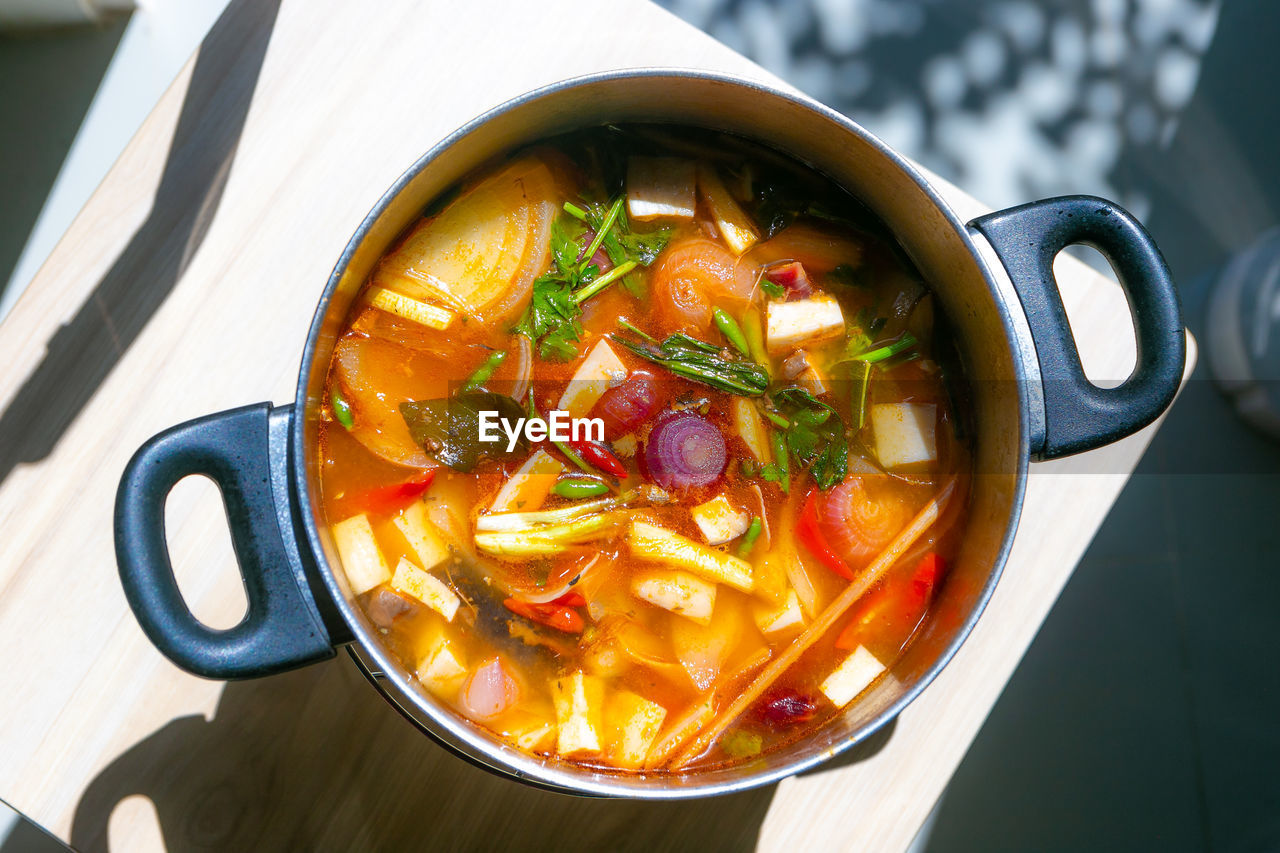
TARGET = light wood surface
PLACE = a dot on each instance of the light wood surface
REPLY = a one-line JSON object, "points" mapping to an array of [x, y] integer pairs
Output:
{"points": [[186, 286]]}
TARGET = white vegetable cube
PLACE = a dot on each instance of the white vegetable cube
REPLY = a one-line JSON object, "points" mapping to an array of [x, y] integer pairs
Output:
{"points": [[904, 433], [423, 537], [852, 677], [579, 701], [531, 732], [599, 371], [633, 723], [442, 669], [680, 592], [720, 521], [785, 619], [425, 587], [660, 186], [361, 557], [789, 325], [732, 223]]}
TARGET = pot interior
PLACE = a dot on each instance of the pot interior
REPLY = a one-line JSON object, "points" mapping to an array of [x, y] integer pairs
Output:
{"points": [[930, 234]]}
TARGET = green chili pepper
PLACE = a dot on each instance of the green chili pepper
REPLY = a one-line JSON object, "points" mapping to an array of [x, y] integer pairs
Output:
{"points": [[484, 372], [579, 488], [342, 409], [750, 537], [755, 338], [731, 330], [861, 372]]}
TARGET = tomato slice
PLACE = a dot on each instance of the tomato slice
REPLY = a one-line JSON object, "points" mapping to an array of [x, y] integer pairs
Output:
{"points": [[552, 615], [387, 499], [812, 538], [901, 604]]}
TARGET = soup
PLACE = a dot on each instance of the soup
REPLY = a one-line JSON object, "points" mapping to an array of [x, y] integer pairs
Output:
{"points": [[642, 450]]}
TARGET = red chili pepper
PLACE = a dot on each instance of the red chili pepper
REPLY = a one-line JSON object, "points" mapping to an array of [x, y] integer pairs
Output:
{"points": [[811, 535], [907, 600], [550, 614], [387, 499], [598, 456], [571, 599]]}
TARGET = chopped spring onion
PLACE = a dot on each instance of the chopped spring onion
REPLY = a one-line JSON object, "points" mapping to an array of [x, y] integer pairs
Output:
{"points": [[888, 351], [603, 281], [749, 539], [861, 371]]}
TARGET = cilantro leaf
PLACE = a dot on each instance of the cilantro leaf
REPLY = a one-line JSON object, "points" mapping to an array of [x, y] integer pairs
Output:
{"points": [[816, 436]]}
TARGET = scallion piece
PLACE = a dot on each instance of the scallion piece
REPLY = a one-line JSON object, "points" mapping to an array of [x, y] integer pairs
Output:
{"points": [[749, 538], [888, 351], [602, 282]]}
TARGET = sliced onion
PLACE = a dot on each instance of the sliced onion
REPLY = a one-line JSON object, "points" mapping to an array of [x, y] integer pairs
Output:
{"points": [[860, 516], [628, 405], [489, 691], [523, 368], [560, 589], [685, 450]]}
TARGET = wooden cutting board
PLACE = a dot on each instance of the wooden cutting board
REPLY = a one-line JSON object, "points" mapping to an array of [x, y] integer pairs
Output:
{"points": [[186, 286]]}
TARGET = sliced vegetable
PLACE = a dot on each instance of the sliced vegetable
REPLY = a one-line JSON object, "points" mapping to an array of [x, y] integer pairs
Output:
{"points": [[553, 615], [704, 362], [425, 587], [793, 324], [358, 551], [855, 674], [549, 539], [531, 732], [753, 328], [685, 450], [481, 254], [731, 221], [442, 669], [424, 538], [680, 730], [657, 544], [888, 351], [529, 486], [627, 405], [515, 521], [632, 724], [423, 313], [860, 516], [704, 650], [679, 592], [750, 427], [896, 608], [904, 433], [661, 187], [860, 374], [599, 371], [812, 537], [720, 521], [579, 703], [787, 619], [695, 273]]}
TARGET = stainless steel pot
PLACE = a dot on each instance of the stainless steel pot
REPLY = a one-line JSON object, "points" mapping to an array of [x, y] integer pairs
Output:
{"points": [[1030, 398]]}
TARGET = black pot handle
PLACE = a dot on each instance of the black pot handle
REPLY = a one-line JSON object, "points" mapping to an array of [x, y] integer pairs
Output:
{"points": [[1078, 414], [245, 452]]}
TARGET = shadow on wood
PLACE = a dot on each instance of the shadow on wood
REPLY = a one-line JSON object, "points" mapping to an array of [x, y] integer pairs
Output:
{"points": [[314, 759], [82, 354]]}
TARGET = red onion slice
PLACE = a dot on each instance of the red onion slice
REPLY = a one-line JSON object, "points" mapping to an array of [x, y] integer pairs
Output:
{"points": [[685, 450]]}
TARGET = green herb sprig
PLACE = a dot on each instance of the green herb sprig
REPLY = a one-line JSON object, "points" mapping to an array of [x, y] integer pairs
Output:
{"points": [[703, 362]]}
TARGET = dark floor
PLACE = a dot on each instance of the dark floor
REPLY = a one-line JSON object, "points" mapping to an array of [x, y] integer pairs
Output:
{"points": [[1144, 716]]}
